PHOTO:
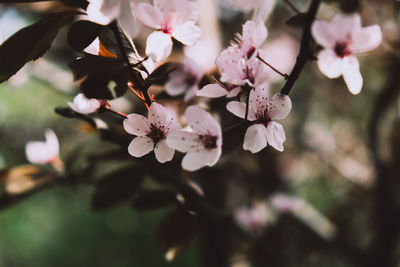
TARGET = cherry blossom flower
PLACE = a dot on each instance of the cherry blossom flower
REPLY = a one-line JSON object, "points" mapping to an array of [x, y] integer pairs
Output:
{"points": [[105, 11], [170, 18], [185, 80], [264, 112], [84, 105], [342, 38], [201, 142], [255, 218], [151, 133], [38, 152], [252, 37]]}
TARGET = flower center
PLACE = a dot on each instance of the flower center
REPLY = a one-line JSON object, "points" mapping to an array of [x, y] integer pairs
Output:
{"points": [[190, 79], [156, 134], [209, 141], [165, 28], [250, 52], [262, 117], [342, 49]]}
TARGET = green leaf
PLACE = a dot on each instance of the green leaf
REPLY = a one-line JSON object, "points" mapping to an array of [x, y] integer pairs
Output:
{"points": [[31, 42], [82, 34]]}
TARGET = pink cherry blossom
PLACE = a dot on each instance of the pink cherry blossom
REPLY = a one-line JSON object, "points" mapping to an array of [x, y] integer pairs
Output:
{"points": [[39, 152], [151, 133], [255, 218], [105, 11], [201, 142], [171, 18], [84, 105], [185, 80], [264, 112], [252, 37], [342, 38]]}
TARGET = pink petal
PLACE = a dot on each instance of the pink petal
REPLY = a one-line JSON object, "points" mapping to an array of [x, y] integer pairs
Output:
{"points": [[255, 138], [187, 33], [329, 63], [149, 15], [232, 65], [196, 160], [201, 121], [254, 34], [184, 141], [101, 12], [212, 90], [137, 125], [275, 135], [234, 92], [324, 33], [158, 46], [365, 39], [160, 116], [140, 146], [176, 85], [43, 152], [258, 101], [352, 75], [279, 106], [163, 152], [239, 110], [84, 105], [127, 19]]}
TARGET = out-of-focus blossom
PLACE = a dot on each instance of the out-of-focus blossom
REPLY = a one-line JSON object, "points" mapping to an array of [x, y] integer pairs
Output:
{"points": [[185, 80], [171, 18], [105, 11], [84, 105], [342, 38], [38, 152], [246, 5], [151, 133], [263, 111], [202, 144], [254, 219]]}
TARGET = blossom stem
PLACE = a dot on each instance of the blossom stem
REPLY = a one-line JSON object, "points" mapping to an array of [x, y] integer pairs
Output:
{"points": [[305, 52], [125, 57], [284, 75], [292, 7], [122, 115]]}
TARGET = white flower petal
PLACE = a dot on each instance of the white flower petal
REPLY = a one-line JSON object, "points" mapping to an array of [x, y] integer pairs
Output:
{"points": [[255, 138], [279, 107], [212, 90], [275, 135], [329, 63], [254, 34], [140, 146], [365, 39], [176, 85], [160, 116], [84, 105], [234, 92], [187, 33], [352, 75], [100, 12], [158, 46], [43, 152], [237, 108], [345, 24], [163, 152], [324, 33], [259, 100], [195, 160], [149, 15], [201, 121], [184, 141], [137, 125]]}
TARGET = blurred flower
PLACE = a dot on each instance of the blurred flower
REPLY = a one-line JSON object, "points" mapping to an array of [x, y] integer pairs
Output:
{"points": [[105, 11], [43, 152], [246, 5], [185, 80], [342, 38], [264, 112], [172, 18], [151, 133], [202, 143], [84, 105], [255, 218]]}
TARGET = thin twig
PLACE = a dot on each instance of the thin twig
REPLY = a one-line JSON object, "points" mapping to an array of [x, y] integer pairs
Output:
{"points": [[305, 53], [295, 10], [284, 75]]}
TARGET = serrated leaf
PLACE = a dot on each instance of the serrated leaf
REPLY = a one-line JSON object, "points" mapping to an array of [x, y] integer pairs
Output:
{"points": [[31, 42], [152, 200], [116, 188], [82, 34], [176, 232]]}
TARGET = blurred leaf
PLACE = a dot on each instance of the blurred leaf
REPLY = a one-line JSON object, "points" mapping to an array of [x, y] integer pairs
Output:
{"points": [[176, 232], [69, 113], [160, 74], [31, 42], [116, 188], [82, 34], [347, 6], [91, 64], [152, 200], [297, 21]]}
